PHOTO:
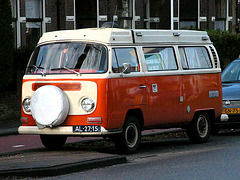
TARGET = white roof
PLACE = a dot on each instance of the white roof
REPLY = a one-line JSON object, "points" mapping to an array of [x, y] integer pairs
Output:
{"points": [[124, 36]]}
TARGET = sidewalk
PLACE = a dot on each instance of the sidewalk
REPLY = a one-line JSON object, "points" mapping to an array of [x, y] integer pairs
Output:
{"points": [[42, 162], [9, 126]]}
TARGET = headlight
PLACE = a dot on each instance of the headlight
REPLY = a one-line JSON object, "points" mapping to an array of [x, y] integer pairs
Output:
{"points": [[87, 104], [26, 104]]}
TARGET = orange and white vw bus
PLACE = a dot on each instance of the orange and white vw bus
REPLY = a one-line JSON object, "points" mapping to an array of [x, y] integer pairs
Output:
{"points": [[117, 83]]}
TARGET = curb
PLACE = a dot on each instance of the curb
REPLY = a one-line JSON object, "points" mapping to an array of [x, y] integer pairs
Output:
{"points": [[64, 168], [13, 131]]}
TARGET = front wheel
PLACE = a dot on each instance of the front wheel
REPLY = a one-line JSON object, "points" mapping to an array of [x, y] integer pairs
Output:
{"points": [[200, 128], [129, 140], [53, 141]]}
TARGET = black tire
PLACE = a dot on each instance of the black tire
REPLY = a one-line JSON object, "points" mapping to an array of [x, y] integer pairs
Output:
{"points": [[200, 128], [53, 141], [129, 140]]}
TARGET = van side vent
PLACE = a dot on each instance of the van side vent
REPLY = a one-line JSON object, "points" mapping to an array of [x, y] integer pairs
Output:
{"points": [[214, 57]]}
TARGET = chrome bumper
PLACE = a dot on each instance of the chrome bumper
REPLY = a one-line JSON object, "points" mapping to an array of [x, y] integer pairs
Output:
{"points": [[64, 130]]}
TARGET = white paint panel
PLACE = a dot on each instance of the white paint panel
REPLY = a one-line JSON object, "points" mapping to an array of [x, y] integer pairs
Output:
{"points": [[88, 89]]}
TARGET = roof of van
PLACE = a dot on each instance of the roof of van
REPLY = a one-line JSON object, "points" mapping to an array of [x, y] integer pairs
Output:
{"points": [[126, 36]]}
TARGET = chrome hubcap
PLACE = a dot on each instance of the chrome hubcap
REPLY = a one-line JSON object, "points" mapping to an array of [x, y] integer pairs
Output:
{"points": [[202, 126], [131, 135]]}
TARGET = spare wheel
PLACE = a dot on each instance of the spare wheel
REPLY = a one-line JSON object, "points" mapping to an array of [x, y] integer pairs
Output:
{"points": [[49, 106]]}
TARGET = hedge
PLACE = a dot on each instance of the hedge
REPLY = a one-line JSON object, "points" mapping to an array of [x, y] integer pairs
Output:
{"points": [[6, 45], [227, 45]]}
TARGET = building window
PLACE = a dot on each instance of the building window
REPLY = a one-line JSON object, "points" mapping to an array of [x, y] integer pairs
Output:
{"points": [[220, 16], [32, 8], [125, 14], [14, 20], [86, 13], [188, 14], [34, 21]]}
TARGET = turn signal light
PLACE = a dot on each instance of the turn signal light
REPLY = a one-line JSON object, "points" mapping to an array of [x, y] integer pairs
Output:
{"points": [[94, 120], [24, 120]]}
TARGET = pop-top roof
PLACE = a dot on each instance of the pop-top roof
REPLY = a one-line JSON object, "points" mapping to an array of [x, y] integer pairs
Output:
{"points": [[123, 36]]}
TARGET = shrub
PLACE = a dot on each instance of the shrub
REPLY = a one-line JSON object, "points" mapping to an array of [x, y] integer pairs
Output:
{"points": [[227, 45], [6, 45], [21, 57]]}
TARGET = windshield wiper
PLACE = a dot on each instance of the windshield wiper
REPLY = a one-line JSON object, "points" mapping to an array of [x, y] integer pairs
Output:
{"points": [[39, 69], [71, 70]]}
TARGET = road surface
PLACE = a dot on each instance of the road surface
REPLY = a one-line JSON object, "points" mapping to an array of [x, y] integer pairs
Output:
{"points": [[174, 159]]}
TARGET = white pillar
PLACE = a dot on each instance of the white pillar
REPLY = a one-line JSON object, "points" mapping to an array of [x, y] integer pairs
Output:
{"points": [[97, 13], [74, 14], [18, 25], [178, 14], [44, 16], [227, 14], [198, 14], [133, 14], [172, 25]]}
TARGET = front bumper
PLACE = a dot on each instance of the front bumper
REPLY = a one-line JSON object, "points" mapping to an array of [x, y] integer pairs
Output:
{"points": [[229, 121], [64, 130]]}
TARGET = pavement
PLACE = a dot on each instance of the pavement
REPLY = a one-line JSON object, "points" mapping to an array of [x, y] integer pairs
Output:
{"points": [[42, 162], [9, 126]]}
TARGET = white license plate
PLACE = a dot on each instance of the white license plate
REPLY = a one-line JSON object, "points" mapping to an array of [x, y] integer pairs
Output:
{"points": [[87, 128]]}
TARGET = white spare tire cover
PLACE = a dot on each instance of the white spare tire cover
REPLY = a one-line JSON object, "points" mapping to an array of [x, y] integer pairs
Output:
{"points": [[49, 106]]}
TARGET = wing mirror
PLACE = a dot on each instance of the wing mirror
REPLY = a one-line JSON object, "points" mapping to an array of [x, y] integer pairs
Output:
{"points": [[126, 68]]}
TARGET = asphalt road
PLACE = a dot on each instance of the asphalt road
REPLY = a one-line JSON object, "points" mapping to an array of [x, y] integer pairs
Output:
{"points": [[24, 142], [174, 159]]}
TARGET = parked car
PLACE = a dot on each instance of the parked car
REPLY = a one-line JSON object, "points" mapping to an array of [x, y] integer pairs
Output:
{"points": [[231, 97]]}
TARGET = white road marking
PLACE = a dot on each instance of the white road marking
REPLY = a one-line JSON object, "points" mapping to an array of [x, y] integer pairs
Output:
{"points": [[17, 146]]}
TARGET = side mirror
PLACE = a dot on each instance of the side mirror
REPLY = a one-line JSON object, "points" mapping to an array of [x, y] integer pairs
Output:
{"points": [[126, 68]]}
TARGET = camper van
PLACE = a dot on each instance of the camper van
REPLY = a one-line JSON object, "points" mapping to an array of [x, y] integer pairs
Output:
{"points": [[116, 83]]}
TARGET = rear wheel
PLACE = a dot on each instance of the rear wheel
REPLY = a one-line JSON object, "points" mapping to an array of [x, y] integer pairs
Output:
{"points": [[129, 140], [53, 141], [200, 128]]}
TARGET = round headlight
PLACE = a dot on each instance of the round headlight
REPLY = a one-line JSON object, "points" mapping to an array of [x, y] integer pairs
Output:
{"points": [[87, 104], [26, 104]]}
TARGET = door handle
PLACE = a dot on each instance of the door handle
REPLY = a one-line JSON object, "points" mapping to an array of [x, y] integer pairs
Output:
{"points": [[142, 86]]}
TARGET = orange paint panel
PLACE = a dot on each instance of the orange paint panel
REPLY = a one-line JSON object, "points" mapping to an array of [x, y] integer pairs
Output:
{"points": [[164, 106], [62, 86], [162, 99], [196, 94], [124, 94]]}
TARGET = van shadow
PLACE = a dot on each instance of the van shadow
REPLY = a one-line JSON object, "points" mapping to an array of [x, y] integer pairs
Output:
{"points": [[107, 146]]}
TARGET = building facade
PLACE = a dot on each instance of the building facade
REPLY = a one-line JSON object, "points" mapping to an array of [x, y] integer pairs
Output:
{"points": [[31, 18]]}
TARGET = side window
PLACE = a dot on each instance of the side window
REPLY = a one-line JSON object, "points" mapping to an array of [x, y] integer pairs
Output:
{"points": [[125, 55], [195, 58], [160, 58]]}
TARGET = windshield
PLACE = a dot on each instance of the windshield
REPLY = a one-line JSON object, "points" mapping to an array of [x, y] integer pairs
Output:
{"points": [[68, 58], [232, 72]]}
